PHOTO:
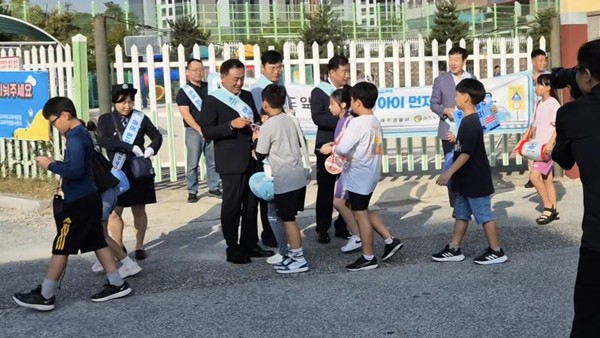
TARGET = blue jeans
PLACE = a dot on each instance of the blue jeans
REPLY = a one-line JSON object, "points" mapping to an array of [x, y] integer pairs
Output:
{"points": [[479, 207], [196, 145]]}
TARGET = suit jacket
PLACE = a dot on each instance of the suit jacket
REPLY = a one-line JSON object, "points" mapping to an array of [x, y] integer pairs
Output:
{"points": [[442, 96], [233, 147], [109, 139], [321, 116], [577, 140]]}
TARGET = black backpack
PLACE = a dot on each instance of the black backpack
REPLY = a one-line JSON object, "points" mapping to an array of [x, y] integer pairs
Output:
{"points": [[101, 168]]}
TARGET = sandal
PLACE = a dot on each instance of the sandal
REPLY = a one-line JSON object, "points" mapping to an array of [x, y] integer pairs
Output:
{"points": [[545, 219]]}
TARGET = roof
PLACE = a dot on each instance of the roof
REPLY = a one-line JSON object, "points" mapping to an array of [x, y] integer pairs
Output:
{"points": [[10, 25]]}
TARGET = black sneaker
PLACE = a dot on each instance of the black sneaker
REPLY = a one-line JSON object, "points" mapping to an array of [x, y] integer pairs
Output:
{"points": [[343, 233], [192, 198], [323, 238], [34, 300], [491, 257], [363, 264], [528, 184], [140, 254], [112, 292], [215, 193], [448, 255], [391, 249]]}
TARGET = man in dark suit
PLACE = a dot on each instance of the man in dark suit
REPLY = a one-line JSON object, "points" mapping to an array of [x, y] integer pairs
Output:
{"points": [[227, 116], [338, 76], [577, 140], [442, 98]]}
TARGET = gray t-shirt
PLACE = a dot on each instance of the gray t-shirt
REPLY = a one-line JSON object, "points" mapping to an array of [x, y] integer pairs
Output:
{"points": [[279, 141]]}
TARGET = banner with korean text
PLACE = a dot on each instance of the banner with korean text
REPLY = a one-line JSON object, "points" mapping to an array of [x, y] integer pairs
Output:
{"points": [[22, 97], [405, 112]]}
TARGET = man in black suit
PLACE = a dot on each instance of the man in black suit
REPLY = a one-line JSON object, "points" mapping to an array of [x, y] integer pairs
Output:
{"points": [[227, 116], [338, 76], [577, 140]]}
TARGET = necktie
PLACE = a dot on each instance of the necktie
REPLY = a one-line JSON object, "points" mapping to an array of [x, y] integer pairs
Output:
{"points": [[124, 120]]}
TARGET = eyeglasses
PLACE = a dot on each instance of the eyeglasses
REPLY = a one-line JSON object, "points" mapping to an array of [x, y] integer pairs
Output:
{"points": [[197, 70], [52, 122]]}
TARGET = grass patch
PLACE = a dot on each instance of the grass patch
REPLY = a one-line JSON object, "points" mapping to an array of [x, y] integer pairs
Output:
{"points": [[34, 187]]}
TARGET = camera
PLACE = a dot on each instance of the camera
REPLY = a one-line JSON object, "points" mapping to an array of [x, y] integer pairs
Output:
{"points": [[565, 77]]}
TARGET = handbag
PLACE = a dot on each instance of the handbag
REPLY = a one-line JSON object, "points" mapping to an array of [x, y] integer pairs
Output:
{"points": [[141, 167]]}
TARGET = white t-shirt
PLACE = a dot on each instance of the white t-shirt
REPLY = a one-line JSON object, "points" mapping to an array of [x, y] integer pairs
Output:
{"points": [[362, 144], [279, 141]]}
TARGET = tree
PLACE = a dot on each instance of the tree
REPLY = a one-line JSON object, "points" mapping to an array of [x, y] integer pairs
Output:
{"points": [[542, 26], [447, 26], [322, 27], [116, 27], [61, 26], [4, 8], [187, 32]]}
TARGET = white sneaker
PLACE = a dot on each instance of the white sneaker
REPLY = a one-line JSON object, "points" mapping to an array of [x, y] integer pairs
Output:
{"points": [[293, 266], [129, 270], [275, 259], [97, 267], [354, 243]]}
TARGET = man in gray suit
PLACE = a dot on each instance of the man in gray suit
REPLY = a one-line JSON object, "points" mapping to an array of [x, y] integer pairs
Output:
{"points": [[442, 98]]}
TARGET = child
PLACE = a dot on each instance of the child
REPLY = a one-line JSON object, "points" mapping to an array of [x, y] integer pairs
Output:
{"points": [[339, 105], [543, 130], [363, 143], [81, 228], [279, 140], [471, 180]]}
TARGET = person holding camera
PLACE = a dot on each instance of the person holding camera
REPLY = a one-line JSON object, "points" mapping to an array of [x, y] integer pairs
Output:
{"points": [[577, 140], [122, 133]]}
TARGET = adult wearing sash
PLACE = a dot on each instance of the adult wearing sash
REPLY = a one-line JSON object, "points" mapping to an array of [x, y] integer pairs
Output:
{"points": [[122, 133], [189, 101], [271, 67], [227, 114], [338, 76], [443, 95]]}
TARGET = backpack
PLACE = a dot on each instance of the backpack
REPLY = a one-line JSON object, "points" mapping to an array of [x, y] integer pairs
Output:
{"points": [[101, 169]]}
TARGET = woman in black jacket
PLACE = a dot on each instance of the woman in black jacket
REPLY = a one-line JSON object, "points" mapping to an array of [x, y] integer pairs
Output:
{"points": [[111, 132]]}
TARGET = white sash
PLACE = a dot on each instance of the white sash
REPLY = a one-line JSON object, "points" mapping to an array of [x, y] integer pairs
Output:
{"points": [[193, 96], [234, 102], [326, 87], [129, 135]]}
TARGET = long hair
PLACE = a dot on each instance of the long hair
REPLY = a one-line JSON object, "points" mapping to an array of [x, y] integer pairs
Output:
{"points": [[546, 80]]}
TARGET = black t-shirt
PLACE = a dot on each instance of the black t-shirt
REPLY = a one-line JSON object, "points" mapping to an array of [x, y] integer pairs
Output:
{"points": [[474, 179], [183, 100]]}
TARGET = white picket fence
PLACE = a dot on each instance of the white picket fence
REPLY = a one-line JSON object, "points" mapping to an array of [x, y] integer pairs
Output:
{"points": [[404, 66]]}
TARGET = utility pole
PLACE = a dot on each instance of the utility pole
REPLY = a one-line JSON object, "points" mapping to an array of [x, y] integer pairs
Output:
{"points": [[102, 64]]}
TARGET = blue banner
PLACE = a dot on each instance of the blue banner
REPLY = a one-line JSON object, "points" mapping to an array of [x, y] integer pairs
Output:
{"points": [[22, 97]]}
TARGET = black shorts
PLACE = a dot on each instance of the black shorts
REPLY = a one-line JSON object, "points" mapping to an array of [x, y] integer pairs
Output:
{"points": [[359, 202], [288, 204], [81, 227]]}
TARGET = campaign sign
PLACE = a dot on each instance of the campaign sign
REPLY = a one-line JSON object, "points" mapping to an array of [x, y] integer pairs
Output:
{"points": [[22, 97]]}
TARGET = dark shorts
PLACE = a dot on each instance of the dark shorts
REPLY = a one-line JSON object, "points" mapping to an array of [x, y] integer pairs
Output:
{"points": [[288, 204], [359, 202], [81, 227]]}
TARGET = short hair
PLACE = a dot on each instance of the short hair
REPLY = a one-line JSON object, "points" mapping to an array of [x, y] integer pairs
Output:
{"points": [[230, 64], [588, 56], [275, 95], [122, 97], [336, 62], [458, 50], [193, 60], [342, 95], [366, 92], [537, 52], [271, 57], [473, 88], [57, 105]]}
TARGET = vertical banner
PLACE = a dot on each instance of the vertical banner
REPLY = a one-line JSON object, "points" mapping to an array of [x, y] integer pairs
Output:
{"points": [[22, 97]]}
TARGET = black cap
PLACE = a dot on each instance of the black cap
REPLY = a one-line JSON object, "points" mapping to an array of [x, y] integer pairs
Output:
{"points": [[122, 88]]}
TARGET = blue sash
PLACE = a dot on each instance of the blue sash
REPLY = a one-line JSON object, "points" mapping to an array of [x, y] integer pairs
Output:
{"points": [[131, 130], [234, 102], [262, 83], [326, 87], [193, 96]]}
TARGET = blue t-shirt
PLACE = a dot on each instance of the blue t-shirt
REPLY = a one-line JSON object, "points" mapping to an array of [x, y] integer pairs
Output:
{"points": [[474, 178], [76, 167]]}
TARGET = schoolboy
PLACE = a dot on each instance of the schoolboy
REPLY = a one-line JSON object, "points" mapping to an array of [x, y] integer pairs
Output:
{"points": [[81, 227], [280, 141], [471, 180], [363, 143]]}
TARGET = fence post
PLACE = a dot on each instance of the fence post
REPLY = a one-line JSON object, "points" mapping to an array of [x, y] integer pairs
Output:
{"points": [[427, 26], [25, 10], [275, 20], [378, 9], [218, 23], [93, 8], [247, 14], [302, 15], [404, 21], [80, 76], [495, 22], [473, 18], [354, 21]]}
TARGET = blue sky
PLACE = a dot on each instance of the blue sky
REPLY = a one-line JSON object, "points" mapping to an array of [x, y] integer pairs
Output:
{"points": [[77, 5]]}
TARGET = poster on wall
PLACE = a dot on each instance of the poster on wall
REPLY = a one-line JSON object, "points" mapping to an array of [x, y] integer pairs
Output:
{"points": [[22, 97]]}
